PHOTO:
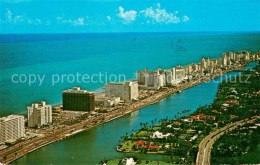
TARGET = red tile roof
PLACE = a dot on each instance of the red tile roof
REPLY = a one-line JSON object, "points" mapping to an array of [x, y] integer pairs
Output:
{"points": [[177, 123], [140, 143], [232, 102], [151, 147], [233, 116], [215, 111], [202, 116]]}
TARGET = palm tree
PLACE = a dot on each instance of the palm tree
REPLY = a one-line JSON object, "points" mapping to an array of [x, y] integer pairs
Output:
{"points": [[145, 125], [152, 122], [175, 116]]}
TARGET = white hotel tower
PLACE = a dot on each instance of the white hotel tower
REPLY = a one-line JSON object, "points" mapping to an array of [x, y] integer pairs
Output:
{"points": [[39, 114], [11, 128]]}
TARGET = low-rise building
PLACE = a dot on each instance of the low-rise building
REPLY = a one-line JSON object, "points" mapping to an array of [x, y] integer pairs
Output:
{"points": [[72, 114], [160, 135], [193, 137], [107, 101], [112, 101], [127, 161]]}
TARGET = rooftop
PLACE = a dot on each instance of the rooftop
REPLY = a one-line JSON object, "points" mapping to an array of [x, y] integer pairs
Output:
{"points": [[37, 105], [128, 83], [77, 90], [10, 117]]}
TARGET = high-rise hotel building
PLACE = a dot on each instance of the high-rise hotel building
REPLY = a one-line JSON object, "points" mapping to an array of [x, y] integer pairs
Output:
{"points": [[11, 128], [77, 99], [127, 91], [39, 114]]}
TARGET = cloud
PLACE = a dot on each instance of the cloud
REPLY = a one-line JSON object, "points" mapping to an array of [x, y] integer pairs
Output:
{"points": [[9, 15], [79, 21], [152, 15], [76, 22], [18, 19], [160, 15], [14, 1], [65, 21], [127, 16], [108, 18], [185, 18], [38, 21], [10, 18]]}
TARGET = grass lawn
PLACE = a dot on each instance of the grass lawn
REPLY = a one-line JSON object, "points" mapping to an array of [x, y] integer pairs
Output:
{"points": [[141, 133], [190, 131], [186, 135], [155, 128], [127, 145], [113, 162], [200, 138]]}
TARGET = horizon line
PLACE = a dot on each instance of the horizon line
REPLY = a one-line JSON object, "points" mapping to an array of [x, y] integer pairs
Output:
{"points": [[134, 32]]}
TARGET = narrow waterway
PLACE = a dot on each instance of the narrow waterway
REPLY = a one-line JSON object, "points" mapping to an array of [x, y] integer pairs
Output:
{"points": [[99, 143]]}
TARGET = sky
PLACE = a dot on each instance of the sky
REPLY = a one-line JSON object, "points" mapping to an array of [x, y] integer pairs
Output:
{"points": [[105, 16]]}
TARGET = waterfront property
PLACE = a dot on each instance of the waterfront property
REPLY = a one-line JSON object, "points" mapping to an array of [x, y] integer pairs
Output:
{"points": [[152, 79], [107, 102], [127, 91], [77, 99], [39, 114], [72, 114], [207, 67], [11, 128]]}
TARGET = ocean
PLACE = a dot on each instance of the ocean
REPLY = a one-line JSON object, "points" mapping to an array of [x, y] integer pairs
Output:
{"points": [[53, 55]]}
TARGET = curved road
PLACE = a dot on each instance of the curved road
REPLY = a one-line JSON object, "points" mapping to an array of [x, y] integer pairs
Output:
{"points": [[205, 146]]}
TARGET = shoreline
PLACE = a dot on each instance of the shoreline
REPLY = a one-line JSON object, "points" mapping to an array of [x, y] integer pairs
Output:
{"points": [[104, 118]]}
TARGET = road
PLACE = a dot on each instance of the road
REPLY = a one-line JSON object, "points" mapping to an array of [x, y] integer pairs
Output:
{"points": [[205, 146]]}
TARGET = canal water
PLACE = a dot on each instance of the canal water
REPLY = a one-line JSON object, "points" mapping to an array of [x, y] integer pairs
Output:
{"points": [[99, 143]]}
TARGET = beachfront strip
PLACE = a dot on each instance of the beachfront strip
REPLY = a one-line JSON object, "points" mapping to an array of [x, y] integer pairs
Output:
{"points": [[82, 110]]}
